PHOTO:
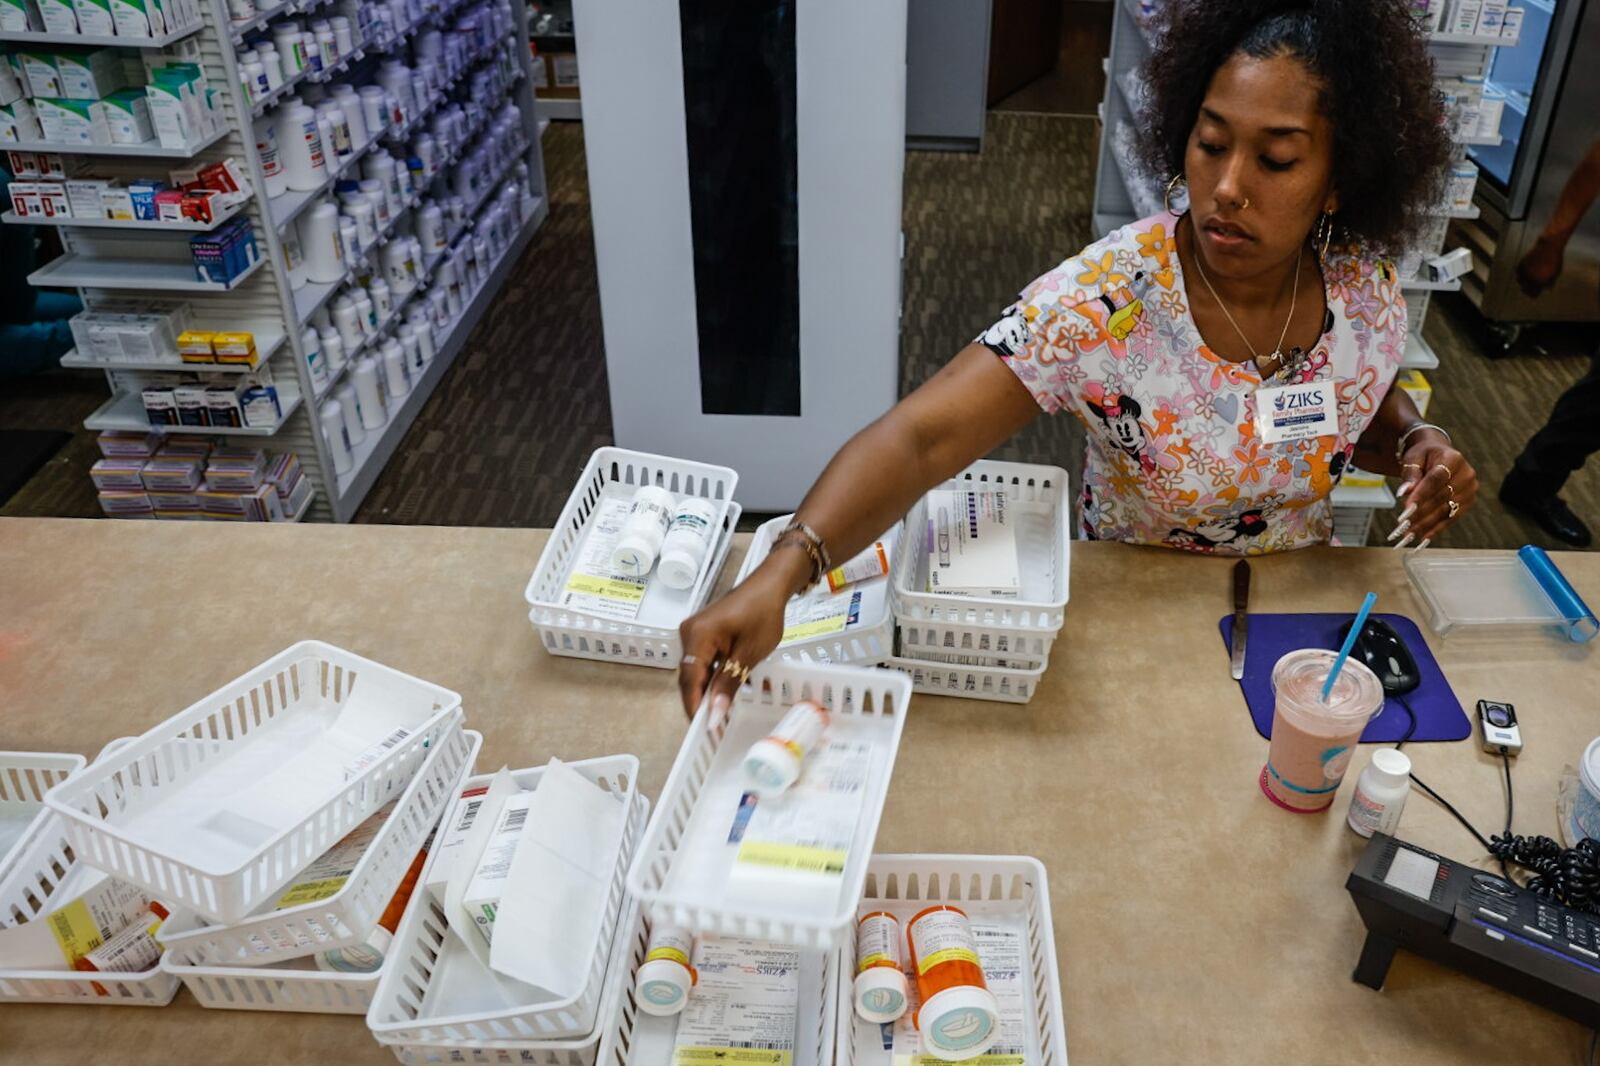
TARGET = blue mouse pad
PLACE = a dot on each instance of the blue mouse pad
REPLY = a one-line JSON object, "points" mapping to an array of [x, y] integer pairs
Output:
{"points": [[1439, 713]]}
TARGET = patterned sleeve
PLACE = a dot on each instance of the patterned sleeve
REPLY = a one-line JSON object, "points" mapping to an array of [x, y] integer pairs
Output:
{"points": [[1036, 339], [1378, 308]]}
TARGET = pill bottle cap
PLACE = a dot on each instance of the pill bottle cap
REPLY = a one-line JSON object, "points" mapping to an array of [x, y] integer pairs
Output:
{"points": [[1393, 767], [635, 553], [679, 567], [880, 994], [663, 987], [771, 767], [959, 1023]]}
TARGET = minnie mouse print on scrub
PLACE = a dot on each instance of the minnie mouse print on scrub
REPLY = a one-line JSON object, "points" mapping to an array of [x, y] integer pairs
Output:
{"points": [[1175, 455]]}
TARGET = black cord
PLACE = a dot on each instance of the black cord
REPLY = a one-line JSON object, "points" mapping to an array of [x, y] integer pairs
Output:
{"points": [[1506, 759], [1410, 731]]}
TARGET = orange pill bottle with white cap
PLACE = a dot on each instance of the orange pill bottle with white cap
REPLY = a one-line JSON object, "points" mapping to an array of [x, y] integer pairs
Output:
{"points": [[959, 1017]]}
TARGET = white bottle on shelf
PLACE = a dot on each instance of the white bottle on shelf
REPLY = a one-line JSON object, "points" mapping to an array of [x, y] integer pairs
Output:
{"points": [[319, 241], [382, 297], [373, 412], [332, 349], [294, 260], [272, 62], [395, 368], [347, 320], [316, 362], [373, 190], [335, 431], [365, 217], [366, 313], [412, 350], [272, 172], [374, 112], [353, 426], [355, 115], [300, 148], [431, 231]]}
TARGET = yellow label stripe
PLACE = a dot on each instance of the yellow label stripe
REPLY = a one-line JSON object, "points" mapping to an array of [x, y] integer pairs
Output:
{"points": [[947, 955]]}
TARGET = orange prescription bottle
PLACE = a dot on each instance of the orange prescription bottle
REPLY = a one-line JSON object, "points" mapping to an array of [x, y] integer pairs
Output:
{"points": [[959, 1017], [880, 984]]}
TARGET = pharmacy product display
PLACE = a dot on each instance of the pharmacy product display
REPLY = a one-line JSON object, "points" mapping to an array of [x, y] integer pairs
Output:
{"points": [[347, 185], [786, 864], [979, 590], [1464, 37], [845, 618], [143, 475], [637, 549]]}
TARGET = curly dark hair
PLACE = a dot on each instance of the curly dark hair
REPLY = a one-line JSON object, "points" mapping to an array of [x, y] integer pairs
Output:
{"points": [[1390, 146]]}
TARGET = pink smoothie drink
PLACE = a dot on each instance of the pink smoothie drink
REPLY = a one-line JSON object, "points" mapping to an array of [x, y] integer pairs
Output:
{"points": [[1313, 740]]}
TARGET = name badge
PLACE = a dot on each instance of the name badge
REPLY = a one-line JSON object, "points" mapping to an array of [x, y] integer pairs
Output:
{"points": [[1296, 412]]}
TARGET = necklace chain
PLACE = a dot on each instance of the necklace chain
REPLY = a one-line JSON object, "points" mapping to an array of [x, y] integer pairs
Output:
{"points": [[1294, 295]]}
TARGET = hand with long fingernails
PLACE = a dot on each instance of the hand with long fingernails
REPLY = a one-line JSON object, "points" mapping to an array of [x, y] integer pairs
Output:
{"points": [[1439, 486]]}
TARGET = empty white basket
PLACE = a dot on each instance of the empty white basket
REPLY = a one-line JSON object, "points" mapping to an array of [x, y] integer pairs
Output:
{"points": [[425, 951], [25, 895], [867, 642], [651, 638], [987, 886], [634, 1038], [969, 682], [681, 872], [25, 776], [346, 917], [156, 812], [280, 988]]}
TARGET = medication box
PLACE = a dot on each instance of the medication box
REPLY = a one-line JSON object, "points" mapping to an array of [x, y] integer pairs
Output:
{"points": [[90, 74], [11, 88], [1417, 387], [128, 115], [481, 900], [137, 18], [94, 17], [84, 197], [238, 348], [17, 15], [59, 16], [67, 121], [41, 74], [19, 122], [117, 202]]}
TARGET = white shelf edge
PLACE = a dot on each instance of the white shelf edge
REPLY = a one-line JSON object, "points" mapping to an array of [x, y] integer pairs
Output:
{"points": [[268, 341], [1420, 285], [100, 40], [1419, 354], [1483, 142], [562, 108], [1486, 40], [145, 225], [46, 277], [147, 149], [1377, 498]]}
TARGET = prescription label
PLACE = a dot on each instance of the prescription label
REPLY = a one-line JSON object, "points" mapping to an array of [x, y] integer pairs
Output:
{"points": [[594, 586], [744, 1006], [1000, 953], [810, 827], [330, 871], [86, 923], [820, 613]]}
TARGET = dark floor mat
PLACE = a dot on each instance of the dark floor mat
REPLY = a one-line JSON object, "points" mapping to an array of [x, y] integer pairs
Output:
{"points": [[22, 453]]}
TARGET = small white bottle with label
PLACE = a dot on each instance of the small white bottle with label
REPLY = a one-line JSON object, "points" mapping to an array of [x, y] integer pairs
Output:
{"points": [[1380, 794]]}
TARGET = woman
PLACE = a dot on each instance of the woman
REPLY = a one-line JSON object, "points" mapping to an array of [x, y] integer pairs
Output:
{"points": [[1311, 144]]}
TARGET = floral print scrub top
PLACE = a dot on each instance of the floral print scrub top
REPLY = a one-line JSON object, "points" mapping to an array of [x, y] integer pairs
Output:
{"points": [[1174, 456]]}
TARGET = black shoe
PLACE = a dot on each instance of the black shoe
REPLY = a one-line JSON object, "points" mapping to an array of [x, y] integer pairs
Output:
{"points": [[1550, 512]]}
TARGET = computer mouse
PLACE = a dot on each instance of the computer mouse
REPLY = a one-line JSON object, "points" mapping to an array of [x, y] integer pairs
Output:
{"points": [[1385, 654]]}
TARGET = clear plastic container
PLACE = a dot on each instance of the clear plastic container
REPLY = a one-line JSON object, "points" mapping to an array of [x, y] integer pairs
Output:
{"points": [[1498, 594]]}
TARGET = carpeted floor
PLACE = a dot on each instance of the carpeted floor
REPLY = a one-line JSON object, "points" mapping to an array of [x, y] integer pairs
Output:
{"points": [[510, 425]]}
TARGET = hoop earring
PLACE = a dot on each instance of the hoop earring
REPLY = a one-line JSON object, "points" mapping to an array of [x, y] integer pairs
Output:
{"points": [[1324, 233], [1166, 199]]}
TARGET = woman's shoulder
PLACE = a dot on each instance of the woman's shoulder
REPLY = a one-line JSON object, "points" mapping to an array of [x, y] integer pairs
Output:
{"points": [[1126, 257]]}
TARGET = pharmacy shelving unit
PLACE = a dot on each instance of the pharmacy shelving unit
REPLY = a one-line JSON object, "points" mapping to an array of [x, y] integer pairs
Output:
{"points": [[107, 260], [1124, 193]]}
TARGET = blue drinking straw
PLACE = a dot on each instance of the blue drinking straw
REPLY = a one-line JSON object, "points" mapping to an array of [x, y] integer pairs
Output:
{"points": [[1349, 642]]}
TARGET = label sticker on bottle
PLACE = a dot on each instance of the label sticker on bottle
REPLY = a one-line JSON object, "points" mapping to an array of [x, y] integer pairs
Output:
{"points": [[1296, 412], [594, 586], [1000, 951]]}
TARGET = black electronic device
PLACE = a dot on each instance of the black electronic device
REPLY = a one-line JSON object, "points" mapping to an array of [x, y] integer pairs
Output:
{"points": [[1385, 654], [1476, 922], [1499, 723]]}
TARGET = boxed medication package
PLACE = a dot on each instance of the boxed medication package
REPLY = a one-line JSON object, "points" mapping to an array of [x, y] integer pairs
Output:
{"points": [[58, 16], [128, 113], [90, 73], [94, 17], [40, 73], [972, 544], [19, 122], [70, 122], [20, 15]]}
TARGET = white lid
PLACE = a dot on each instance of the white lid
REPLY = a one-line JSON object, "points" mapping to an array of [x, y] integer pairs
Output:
{"points": [[634, 554], [959, 1023], [663, 987], [880, 993], [771, 767], [1589, 767], [679, 567], [1394, 766]]}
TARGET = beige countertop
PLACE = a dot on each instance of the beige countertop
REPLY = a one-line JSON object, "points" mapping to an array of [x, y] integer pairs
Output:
{"points": [[1195, 922]]}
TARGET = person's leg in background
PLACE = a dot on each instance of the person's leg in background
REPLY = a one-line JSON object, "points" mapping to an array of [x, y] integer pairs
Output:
{"points": [[34, 334], [1569, 437]]}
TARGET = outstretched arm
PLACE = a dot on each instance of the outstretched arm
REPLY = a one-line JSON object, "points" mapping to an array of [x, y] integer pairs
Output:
{"points": [[971, 405]]}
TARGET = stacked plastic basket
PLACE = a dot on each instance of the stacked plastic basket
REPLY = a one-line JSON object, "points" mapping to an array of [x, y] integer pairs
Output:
{"points": [[987, 648], [214, 811]]}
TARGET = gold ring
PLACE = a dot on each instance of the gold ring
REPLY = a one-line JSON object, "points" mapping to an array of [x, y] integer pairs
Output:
{"points": [[732, 666], [1455, 508], [1411, 466], [1446, 470], [1451, 489], [688, 660]]}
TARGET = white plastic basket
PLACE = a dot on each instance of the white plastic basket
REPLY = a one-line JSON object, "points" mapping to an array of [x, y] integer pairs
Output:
{"points": [[868, 642], [25, 776], [682, 871], [286, 986], [25, 895], [969, 682], [992, 887], [651, 637], [163, 811], [1042, 510], [428, 956], [1352, 526], [1014, 649], [346, 917], [634, 1038], [573, 1051]]}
